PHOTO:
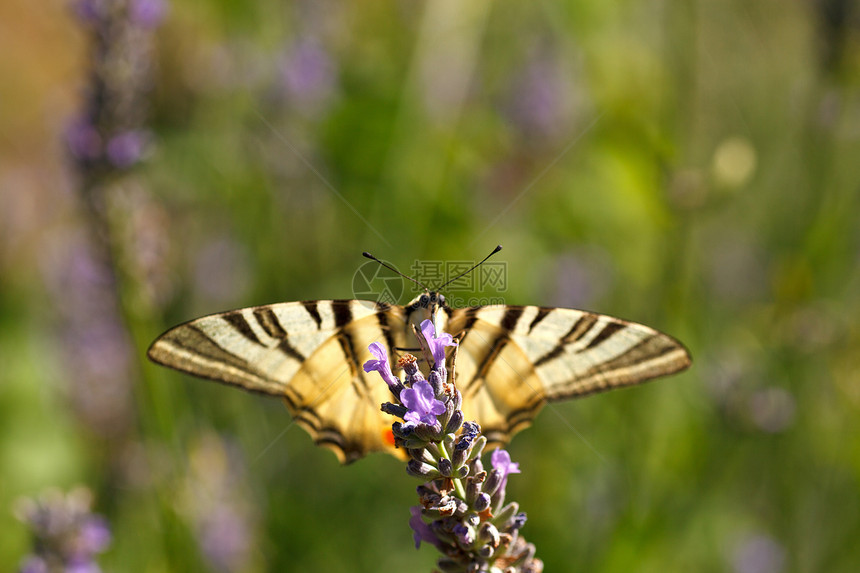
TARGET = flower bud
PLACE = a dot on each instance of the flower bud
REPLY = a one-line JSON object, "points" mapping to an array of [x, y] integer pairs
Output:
{"points": [[419, 454], [493, 482], [476, 466], [448, 565], [403, 430], [457, 400], [473, 488], [421, 470], [394, 409], [519, 520], [468, 435], [464, 535], [445, 467], [478, 446], [436, 380], [459, 458], [505, 514], [455, 420], [488, 533], [427, 432], [482, 502]]}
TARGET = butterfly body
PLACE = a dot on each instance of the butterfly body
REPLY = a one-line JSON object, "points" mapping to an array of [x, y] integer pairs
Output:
{"points": [[511, 360]]}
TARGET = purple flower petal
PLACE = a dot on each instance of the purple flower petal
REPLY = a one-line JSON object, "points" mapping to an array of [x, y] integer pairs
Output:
{"points": [[381, 365], [437, 344], [421, 529], [423, 405], [501, 461]]}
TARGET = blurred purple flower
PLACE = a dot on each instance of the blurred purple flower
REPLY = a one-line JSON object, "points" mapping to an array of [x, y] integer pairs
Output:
{"points": [[125, 149], [93, 341], [759, 554], [147, 13], [422, 531], [772, 409], [308, 74], [89, 11], [82, 567], [33, 564], [225, 539], [146, 234], [221, 269], [583, 275], [94, 535], [65, 534], [538, 106], [501, 461], [221, 516], [84, 140]]}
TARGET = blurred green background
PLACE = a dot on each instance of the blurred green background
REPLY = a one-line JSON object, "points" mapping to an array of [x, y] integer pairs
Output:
{"points": [[691, 165]]}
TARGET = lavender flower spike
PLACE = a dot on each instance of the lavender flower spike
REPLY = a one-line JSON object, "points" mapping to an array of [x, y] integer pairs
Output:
{"points": [[381, 365], [66, 535], [423, 405], [460, 509], [437, 344]]}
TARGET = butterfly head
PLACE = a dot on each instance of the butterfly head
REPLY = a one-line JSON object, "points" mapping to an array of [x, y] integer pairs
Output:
{"points": [[423, 307], [426, 304]]}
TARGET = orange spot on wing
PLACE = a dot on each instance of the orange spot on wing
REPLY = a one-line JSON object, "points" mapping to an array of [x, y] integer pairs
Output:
{"points": [[388, 436]]}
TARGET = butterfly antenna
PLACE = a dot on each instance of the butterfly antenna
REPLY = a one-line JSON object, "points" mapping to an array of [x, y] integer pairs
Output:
{"points": [[496, 250], [389, 267]]}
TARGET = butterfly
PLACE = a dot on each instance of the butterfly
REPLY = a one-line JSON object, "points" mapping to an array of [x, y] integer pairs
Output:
{"points": [[510, 361]]}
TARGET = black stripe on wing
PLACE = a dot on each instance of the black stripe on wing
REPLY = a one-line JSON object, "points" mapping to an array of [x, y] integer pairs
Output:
{"points": [[268, 321], [238, 321], [382, 319], [508, 324], [342, 317], [579, 329], [312, 307], [604, 334]]}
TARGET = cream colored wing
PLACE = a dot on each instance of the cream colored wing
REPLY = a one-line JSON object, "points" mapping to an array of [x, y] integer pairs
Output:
{"points": [[310, 353], [513, 359]]}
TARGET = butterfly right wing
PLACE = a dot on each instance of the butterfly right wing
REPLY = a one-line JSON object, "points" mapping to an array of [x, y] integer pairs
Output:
{"points": [[514, 359], [310, 353]]}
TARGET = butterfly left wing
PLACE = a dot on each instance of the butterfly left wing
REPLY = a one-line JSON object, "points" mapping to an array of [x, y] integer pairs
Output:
{"points": [[513, 359], [309, 353]]}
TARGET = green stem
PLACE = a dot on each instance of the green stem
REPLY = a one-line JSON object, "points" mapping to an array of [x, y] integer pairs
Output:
{"points": [[458, 484]]}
